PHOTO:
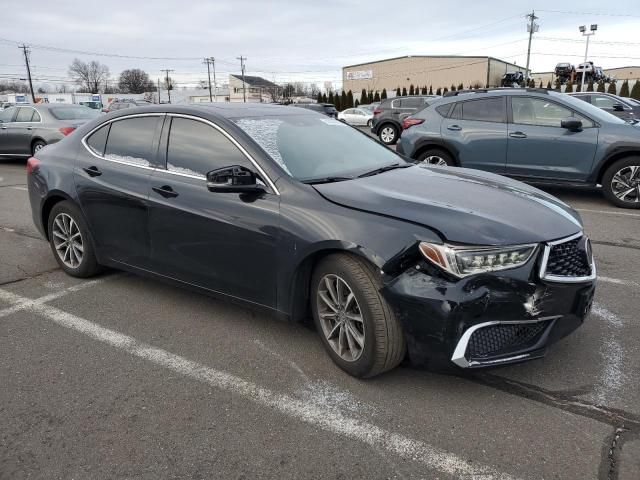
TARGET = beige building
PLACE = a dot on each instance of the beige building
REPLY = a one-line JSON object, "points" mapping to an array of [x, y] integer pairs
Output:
{"points": [[437, 71]]}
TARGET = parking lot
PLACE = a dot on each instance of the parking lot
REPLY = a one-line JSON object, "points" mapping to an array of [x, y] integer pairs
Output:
{"points": [[123, 376]]}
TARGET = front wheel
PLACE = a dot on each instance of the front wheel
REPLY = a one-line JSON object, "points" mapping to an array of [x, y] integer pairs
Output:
{"points": [[621, 183], [369, 123], [388, 134], [358, 328], [70, 242]]}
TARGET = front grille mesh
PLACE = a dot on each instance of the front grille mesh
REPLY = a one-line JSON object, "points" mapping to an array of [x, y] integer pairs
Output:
{"points": [[496, 339], [568, 260]]}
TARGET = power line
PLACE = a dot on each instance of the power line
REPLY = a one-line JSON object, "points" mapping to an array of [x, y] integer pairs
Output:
{"points": [[570, 12]]}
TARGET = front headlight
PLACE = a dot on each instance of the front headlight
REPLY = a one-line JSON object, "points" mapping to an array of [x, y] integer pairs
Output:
{"points": [[464, 261]]}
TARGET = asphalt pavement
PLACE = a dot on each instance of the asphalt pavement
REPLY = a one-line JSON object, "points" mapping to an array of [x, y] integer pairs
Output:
{"points": [[125, 377]]}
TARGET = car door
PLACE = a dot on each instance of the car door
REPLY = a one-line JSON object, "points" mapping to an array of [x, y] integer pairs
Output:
{"points": [[6, 117], [224, 242], [112, 174], [540, 148], [359, 117], [476, 131], [19, 132]]}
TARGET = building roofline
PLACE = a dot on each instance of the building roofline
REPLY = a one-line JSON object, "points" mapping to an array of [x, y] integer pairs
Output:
{"points": [[431, 56]]}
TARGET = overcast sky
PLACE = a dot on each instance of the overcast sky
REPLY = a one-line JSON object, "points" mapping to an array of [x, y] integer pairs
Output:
{"points": [[301, 40]]}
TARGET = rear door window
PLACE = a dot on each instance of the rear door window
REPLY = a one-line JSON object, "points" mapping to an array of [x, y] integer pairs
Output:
{"points": [[485, 110], [603, 101], [414, 103], [25, 114], [195, 148], [6, 116], [131, 141]]}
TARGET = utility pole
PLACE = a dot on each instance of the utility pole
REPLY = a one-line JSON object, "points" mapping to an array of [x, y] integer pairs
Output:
{"points": [[25, 49], [215, 87], [532, 27], [583, 30], [159, 100], [166, 71], [244, 93], [208, 62]]}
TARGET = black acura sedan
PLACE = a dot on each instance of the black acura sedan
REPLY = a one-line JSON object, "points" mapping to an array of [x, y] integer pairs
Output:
{"points": [[291, 211]]}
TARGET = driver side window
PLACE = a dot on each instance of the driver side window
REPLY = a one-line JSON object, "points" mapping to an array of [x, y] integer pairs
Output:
{"points": [[542, 112], [196, 148]]}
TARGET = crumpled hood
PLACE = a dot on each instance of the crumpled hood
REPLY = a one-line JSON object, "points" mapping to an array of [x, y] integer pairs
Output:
{"points": [[465, 206]]}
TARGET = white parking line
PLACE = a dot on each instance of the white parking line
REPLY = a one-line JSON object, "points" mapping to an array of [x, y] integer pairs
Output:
{"points": [[320, 416], [609, 212], [28, 302], [612, 376], [20, 188], [618, 281]]}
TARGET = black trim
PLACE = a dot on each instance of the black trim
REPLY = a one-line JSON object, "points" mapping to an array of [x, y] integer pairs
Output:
{"points": [[618, 149], [438, 142]]}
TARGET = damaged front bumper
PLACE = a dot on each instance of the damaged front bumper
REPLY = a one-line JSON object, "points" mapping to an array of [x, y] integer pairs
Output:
{"points": [[487, 319]]}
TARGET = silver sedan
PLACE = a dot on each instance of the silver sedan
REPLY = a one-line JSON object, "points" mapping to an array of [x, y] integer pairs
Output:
{"points": [[356, 116], [25, 129]]}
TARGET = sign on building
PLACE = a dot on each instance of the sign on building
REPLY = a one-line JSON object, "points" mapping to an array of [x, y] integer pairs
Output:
{"points": [[360, 75]]}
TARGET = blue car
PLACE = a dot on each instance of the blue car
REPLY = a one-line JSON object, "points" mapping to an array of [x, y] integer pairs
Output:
{"points": [[534, 135]]}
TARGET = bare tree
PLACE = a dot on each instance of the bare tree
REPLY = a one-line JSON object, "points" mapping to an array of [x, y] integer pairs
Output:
{"points": [[15, 87], [62, 88], [135, 81], [90, 76], [168, 83]]}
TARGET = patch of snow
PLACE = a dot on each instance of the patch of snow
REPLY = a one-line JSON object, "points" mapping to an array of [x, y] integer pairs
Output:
{"points": [[265, 133], [138, 162]]}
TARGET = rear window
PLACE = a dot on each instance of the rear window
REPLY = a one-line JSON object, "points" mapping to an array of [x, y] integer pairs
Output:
{"points": [[131, 141], [486, 110], [73, 113]]}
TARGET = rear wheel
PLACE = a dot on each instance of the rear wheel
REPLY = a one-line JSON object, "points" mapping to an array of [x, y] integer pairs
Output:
{"points": [[357, 326], [436, 156], [369, 123], [70, 242], [37, 146], [388, 134], [621, 183]]}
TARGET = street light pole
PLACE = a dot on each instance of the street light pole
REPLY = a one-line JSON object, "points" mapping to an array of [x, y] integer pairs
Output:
{"points": [[583, 30]]}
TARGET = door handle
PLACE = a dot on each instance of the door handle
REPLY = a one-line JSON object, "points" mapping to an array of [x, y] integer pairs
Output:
{"points": [[166, 191], [29, 127], [518, 135], [454, 127], [3, 127], [93, 171]]}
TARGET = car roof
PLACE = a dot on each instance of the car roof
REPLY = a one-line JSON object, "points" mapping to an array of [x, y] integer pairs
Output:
{"points": [[224, 110]]}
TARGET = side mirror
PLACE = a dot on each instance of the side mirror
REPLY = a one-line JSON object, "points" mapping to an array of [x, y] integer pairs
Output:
{"points": [[233, 179], [618, 107], [572, 124]]}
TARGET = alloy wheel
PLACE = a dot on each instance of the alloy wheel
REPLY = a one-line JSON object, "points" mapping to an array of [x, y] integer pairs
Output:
{"points": [[340, 317], [625, 184], [67, 240], [435, 160], [388, 134], [38, 147]]}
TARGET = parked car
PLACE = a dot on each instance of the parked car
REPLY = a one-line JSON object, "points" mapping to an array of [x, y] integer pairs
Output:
{"points": [[327, 109], [587, 69], [564, 72], [624, 108], [302, 216], [92, 104], [388, 117], [356, 116], [122, 104], [370, 106], [535, 135], [513, 79], [25, 129]]}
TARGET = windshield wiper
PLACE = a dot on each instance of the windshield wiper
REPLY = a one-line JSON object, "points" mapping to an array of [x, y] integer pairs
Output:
{"points": [[385, 169], [313, 181]]}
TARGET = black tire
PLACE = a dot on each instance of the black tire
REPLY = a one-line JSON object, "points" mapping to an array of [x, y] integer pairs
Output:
{"points": [[434, 155], [384, 343], [388, 133], [622, 167], [369, 123], [37, 145], [88, 265]]}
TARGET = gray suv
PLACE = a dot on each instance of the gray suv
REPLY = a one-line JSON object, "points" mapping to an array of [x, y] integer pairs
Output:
{"points": [[388, 116], [534, 135]]}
